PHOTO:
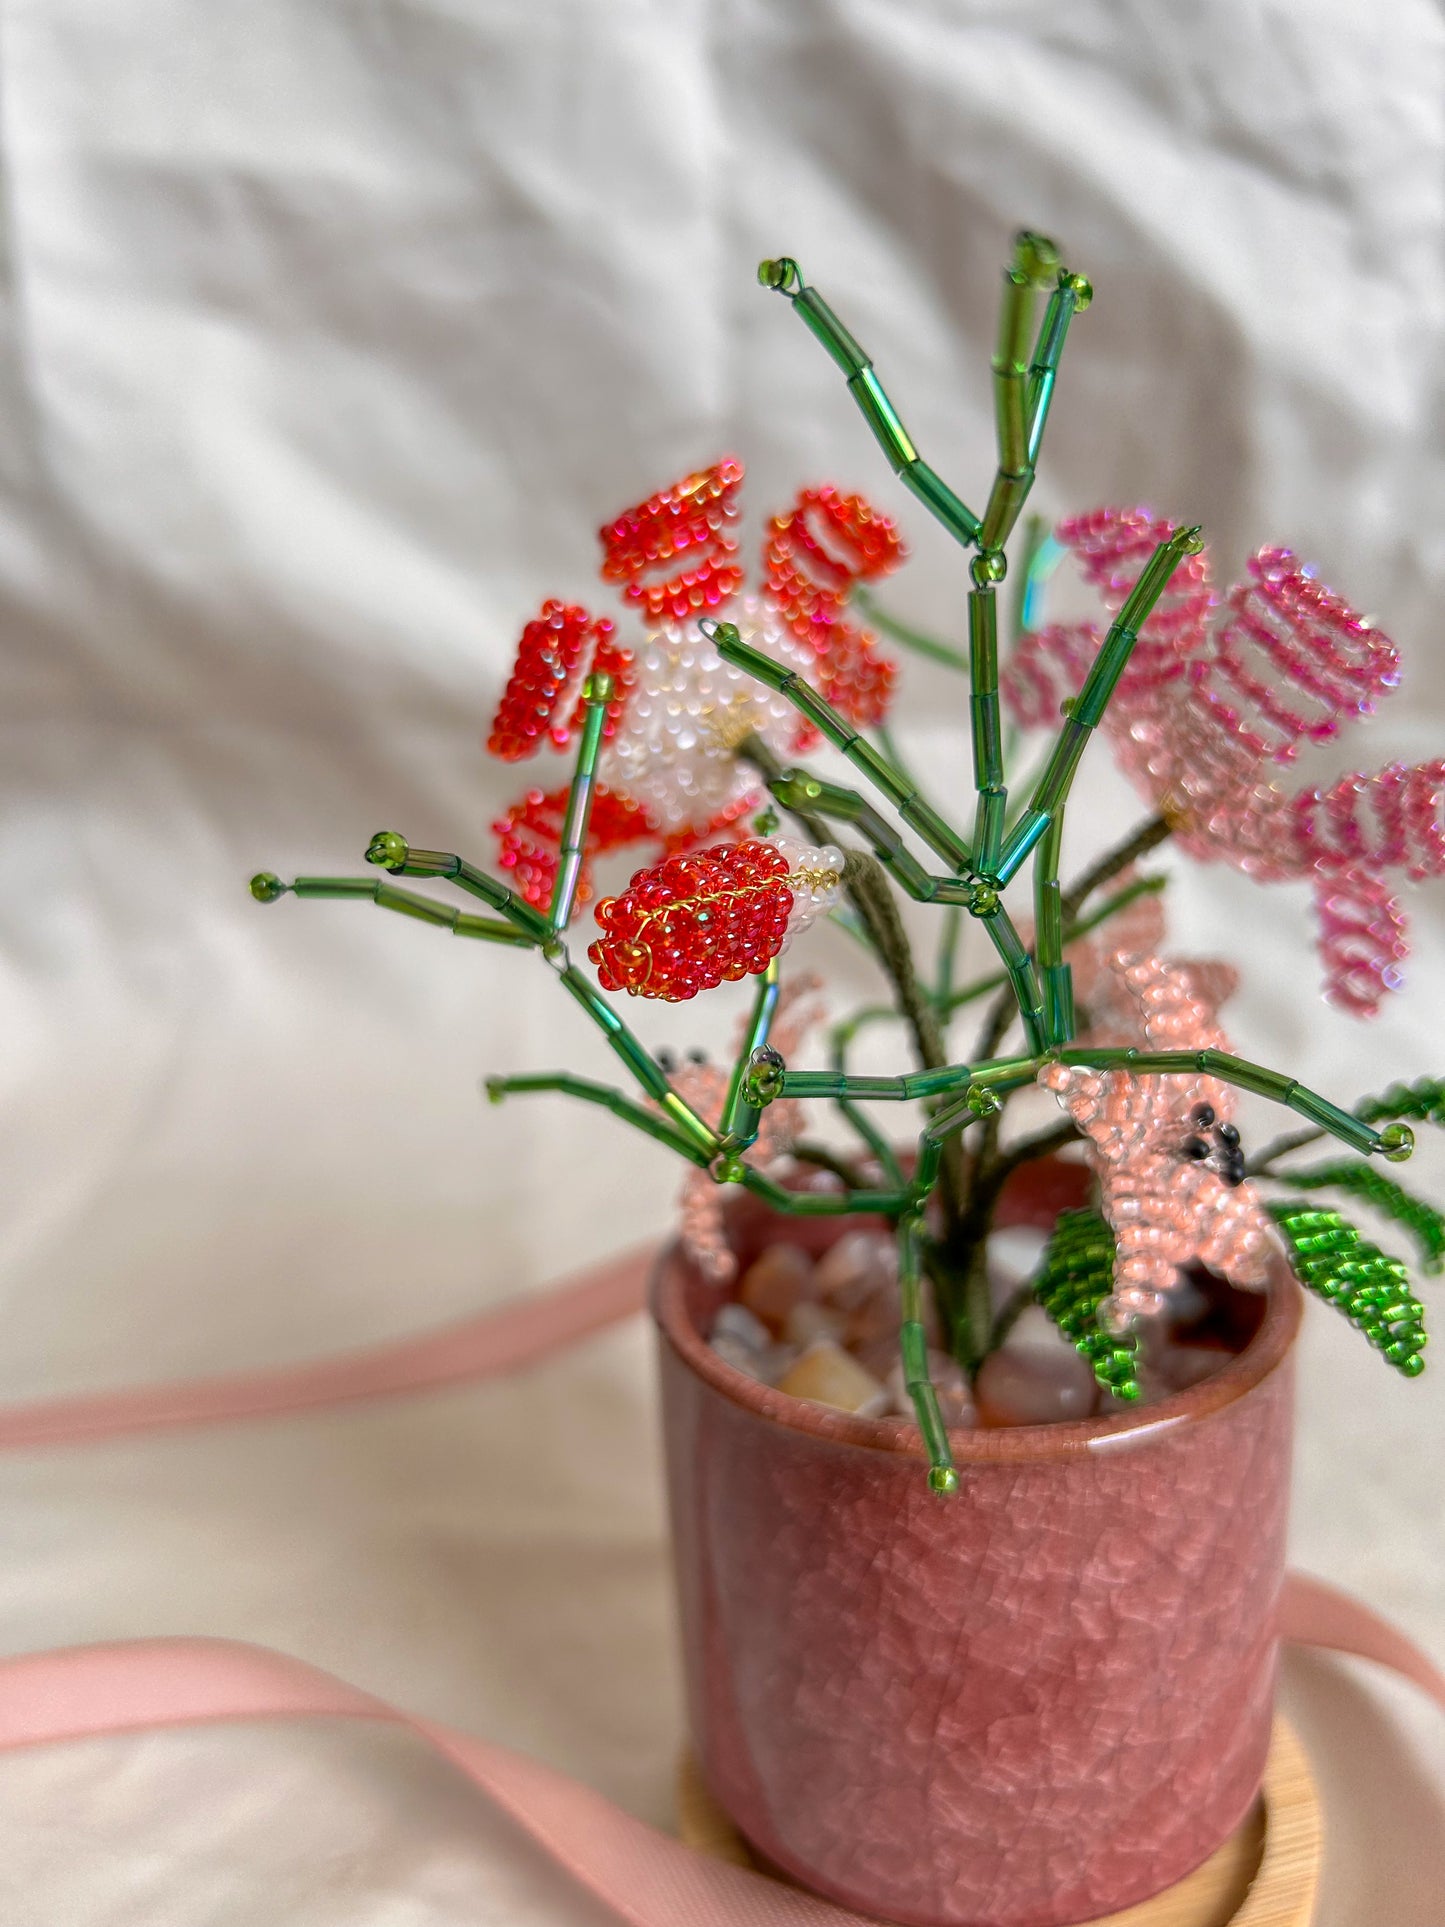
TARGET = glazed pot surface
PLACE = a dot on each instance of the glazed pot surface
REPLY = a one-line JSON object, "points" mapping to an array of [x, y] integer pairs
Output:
{"points": [[1027, 1705]]}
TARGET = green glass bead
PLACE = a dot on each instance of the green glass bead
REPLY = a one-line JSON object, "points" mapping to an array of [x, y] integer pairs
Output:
{"points": [[599, 687], [782, 275], [943, 1479], [389, 850], [763, 1079], [1080, 288], [728, 1169], [766, 821], [265, 887], [982, 1101], [989, 567], [983, 900], [1397, 1141]]}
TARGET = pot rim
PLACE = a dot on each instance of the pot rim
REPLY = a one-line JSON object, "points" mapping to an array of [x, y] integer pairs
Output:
{"points": [[1015, 1444]]}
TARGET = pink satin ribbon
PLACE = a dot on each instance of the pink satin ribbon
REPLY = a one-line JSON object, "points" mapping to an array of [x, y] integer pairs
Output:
{"points": [[646, 1877]]}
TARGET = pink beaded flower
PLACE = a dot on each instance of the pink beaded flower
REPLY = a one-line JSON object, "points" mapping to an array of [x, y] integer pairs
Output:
{"points": [[668, 775], [703, 1086], [1164, 1150], [1218, 698]]}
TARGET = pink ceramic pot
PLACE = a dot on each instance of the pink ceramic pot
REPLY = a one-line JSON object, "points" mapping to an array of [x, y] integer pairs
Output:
{"points": [[1033, 1703]]}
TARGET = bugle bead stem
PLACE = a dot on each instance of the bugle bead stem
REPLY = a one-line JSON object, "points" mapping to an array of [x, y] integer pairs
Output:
{"points": [[785, 277], [738, 1125], [588, 1092], [913, 1349], [597, 693]]}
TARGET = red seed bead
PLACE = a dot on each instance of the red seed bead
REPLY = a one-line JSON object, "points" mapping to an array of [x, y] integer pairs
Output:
{"points": [[694, 517], [688, 923]]}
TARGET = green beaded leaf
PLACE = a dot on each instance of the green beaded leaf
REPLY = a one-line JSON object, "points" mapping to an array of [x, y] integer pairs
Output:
{"points": [[1075, 1275], [1424, 1099], [1357, 1278], [1391, 1200]]}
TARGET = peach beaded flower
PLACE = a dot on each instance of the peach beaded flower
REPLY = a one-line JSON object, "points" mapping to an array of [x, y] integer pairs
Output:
{"points": [[1165, 1151]]}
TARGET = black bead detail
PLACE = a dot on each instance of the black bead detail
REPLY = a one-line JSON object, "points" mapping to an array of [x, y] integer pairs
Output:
{"points": [[1203, 1116], [1195, 1149]]}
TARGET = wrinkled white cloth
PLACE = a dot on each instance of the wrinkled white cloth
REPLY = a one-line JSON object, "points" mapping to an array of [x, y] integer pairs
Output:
{"points": [[329, 334]]}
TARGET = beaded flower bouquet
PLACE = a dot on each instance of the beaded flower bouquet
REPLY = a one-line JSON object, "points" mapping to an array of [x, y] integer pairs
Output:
{"points": [[978, 1423]]}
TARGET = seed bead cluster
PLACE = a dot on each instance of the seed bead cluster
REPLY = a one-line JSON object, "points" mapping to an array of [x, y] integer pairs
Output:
{"points": [[1076, 1276], [1291, 660], [1424, 1100], [692, 922], [550, 661], [695, 515], [1391, 1200], [809, 579], [1357, 1278]]}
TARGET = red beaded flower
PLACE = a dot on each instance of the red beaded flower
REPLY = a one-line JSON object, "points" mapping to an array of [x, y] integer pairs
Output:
{"points": [[1219, 695], [692, 922], [813, 556], [694, 515], [668, 772]]}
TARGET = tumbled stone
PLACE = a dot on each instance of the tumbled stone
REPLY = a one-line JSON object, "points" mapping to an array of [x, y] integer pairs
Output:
{"points": [[1031, 1380], [830, 1376], [781, 1278], [736, 1321], [808, 1321], [851, 1270]]}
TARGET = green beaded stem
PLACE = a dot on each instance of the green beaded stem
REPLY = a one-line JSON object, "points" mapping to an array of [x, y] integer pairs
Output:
{"points": [[1247, 1076], [821, 1204], [987, 734], [639, 1061], [799, 789], [1075, 1276], [913, 1349], [1058, 981], [939, 835], [1087, 709], [785, 277], [597, 692], [1357, 1278], [588, 1092], [738, 1126], [1384, 1196], [394, 853], [1072, 296], [266, 888], [1035, 261]]}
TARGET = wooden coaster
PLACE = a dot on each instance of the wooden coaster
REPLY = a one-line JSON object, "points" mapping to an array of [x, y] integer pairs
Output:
{"points": [[1265, 1874]]}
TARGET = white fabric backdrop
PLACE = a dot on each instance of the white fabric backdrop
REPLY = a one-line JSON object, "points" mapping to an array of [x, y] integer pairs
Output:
{"points": [[329, 335]]}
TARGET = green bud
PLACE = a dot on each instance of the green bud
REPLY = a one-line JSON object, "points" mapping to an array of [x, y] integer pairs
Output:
{"points": [[1397, 1141], [265, 888], [389, 850]]}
